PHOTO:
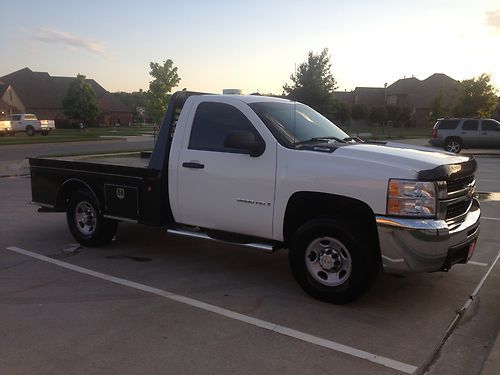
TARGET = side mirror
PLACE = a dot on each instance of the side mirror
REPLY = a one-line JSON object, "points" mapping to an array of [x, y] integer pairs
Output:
{"points": [[245, 141]]}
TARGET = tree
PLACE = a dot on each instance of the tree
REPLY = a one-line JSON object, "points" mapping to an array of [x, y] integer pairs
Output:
{"points": [[404, 116], [132, 100], [80, 102], [313, 83], [342, 112], [358, 112], [165, 79], [378, 115], [497, 110], [477, 98], [438, 110], [392, 113]]}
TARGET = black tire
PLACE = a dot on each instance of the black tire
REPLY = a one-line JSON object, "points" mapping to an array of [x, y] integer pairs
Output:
{"points": [[359, 262], [30, 131], [453, 145], [86, 223]]}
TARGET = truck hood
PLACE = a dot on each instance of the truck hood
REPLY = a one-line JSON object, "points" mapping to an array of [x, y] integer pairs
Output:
{"points": [[427, 162]]}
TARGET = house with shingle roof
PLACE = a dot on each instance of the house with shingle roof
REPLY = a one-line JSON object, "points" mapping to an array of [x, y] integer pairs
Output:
{"points": [[407, 92], [43, 94]]}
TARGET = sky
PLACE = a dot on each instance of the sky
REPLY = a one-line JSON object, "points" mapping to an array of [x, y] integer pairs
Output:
{"points": [[251, 45]]}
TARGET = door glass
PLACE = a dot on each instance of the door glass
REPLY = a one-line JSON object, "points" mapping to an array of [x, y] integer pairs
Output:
{"points": [[448, 124], [490, 125], [470, 125], [212, 124]]}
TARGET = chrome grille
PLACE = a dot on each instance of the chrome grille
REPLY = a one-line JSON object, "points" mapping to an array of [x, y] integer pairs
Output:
{"points": [[457, 200], [457, 209], [459, 184]]}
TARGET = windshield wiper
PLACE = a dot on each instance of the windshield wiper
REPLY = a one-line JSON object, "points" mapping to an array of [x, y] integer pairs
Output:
{"points": [[316, 139], [355, 139]]}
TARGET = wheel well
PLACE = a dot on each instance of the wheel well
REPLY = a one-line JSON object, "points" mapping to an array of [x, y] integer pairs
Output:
{"points": [[304, 206], [70, 187], [453, 137]]}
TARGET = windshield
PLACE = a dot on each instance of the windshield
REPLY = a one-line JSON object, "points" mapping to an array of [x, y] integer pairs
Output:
{"points": [[293, 122]]}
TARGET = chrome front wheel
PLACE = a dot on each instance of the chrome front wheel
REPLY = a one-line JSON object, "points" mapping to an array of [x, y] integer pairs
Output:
{"points": [[328, 261], [333, 260]]}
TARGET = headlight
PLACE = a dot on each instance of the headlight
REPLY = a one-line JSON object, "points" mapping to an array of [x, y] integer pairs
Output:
{"points": [[411, 198]]}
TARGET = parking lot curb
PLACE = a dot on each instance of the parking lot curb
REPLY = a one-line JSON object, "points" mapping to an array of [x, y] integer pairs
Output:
{"points": [[492, 364]]}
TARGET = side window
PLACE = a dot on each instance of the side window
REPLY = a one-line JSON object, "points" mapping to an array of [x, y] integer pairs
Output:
{"points": [[213, 122], [448, 124], [16, 117], [490, 125], [470, 125]]}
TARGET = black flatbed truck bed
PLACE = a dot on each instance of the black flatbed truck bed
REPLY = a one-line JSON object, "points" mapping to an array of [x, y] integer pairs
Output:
{"points": [[127, 187]]}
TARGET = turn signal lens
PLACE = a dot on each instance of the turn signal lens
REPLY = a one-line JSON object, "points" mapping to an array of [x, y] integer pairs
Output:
{"points": [[411, 198]]}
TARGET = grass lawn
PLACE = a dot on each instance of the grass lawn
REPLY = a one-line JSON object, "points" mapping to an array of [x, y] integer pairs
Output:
{"points": [[75, 135]]}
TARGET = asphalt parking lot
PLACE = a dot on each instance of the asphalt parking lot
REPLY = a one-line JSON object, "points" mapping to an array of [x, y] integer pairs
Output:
{"points": [[153, 303]]}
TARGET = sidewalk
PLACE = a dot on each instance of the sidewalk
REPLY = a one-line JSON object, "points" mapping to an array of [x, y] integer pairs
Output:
{"points": [[14, 168]]}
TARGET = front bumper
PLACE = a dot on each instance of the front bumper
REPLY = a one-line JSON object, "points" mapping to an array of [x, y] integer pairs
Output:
{"points": [[419, 245]]}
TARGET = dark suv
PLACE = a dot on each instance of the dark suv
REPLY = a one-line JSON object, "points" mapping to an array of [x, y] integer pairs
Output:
{"points": [[453, 134]]}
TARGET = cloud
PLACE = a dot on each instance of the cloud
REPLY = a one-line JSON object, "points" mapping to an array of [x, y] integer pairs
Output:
{"points": [[493, 19], [48, 35]]}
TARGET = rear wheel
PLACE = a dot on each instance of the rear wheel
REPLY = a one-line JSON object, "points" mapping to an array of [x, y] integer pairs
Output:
{"points": [[30, 131], [453, 145], [330, 262], [86, 223]]}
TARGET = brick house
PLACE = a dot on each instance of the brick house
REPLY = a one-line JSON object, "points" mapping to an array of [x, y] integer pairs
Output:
{"points": [[408, 92], [418, 95], [43, 94]]}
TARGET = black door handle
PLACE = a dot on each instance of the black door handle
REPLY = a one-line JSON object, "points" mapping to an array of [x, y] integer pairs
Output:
{"points": [[193, 165]]}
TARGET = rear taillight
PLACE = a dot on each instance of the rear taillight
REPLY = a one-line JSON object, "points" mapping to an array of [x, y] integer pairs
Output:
{"points": [[434, 133]]}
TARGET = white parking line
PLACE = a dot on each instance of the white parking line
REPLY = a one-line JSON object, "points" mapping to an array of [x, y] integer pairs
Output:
{"points": [[490, 218], [477, 263], [387, 362]]}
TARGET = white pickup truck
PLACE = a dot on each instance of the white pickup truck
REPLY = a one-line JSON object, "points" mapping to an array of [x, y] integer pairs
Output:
{"points": [[269, 173], [30, 124]]}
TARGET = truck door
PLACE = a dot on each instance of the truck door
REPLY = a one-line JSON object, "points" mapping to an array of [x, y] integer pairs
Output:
{"points": [[221, 188], [16, 122]]}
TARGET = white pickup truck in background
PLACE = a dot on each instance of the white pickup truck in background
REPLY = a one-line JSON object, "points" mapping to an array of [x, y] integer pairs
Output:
{"points": [[29, 123]]}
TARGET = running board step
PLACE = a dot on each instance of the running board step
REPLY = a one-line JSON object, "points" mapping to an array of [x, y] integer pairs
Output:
{"points": [[267, 248]]}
